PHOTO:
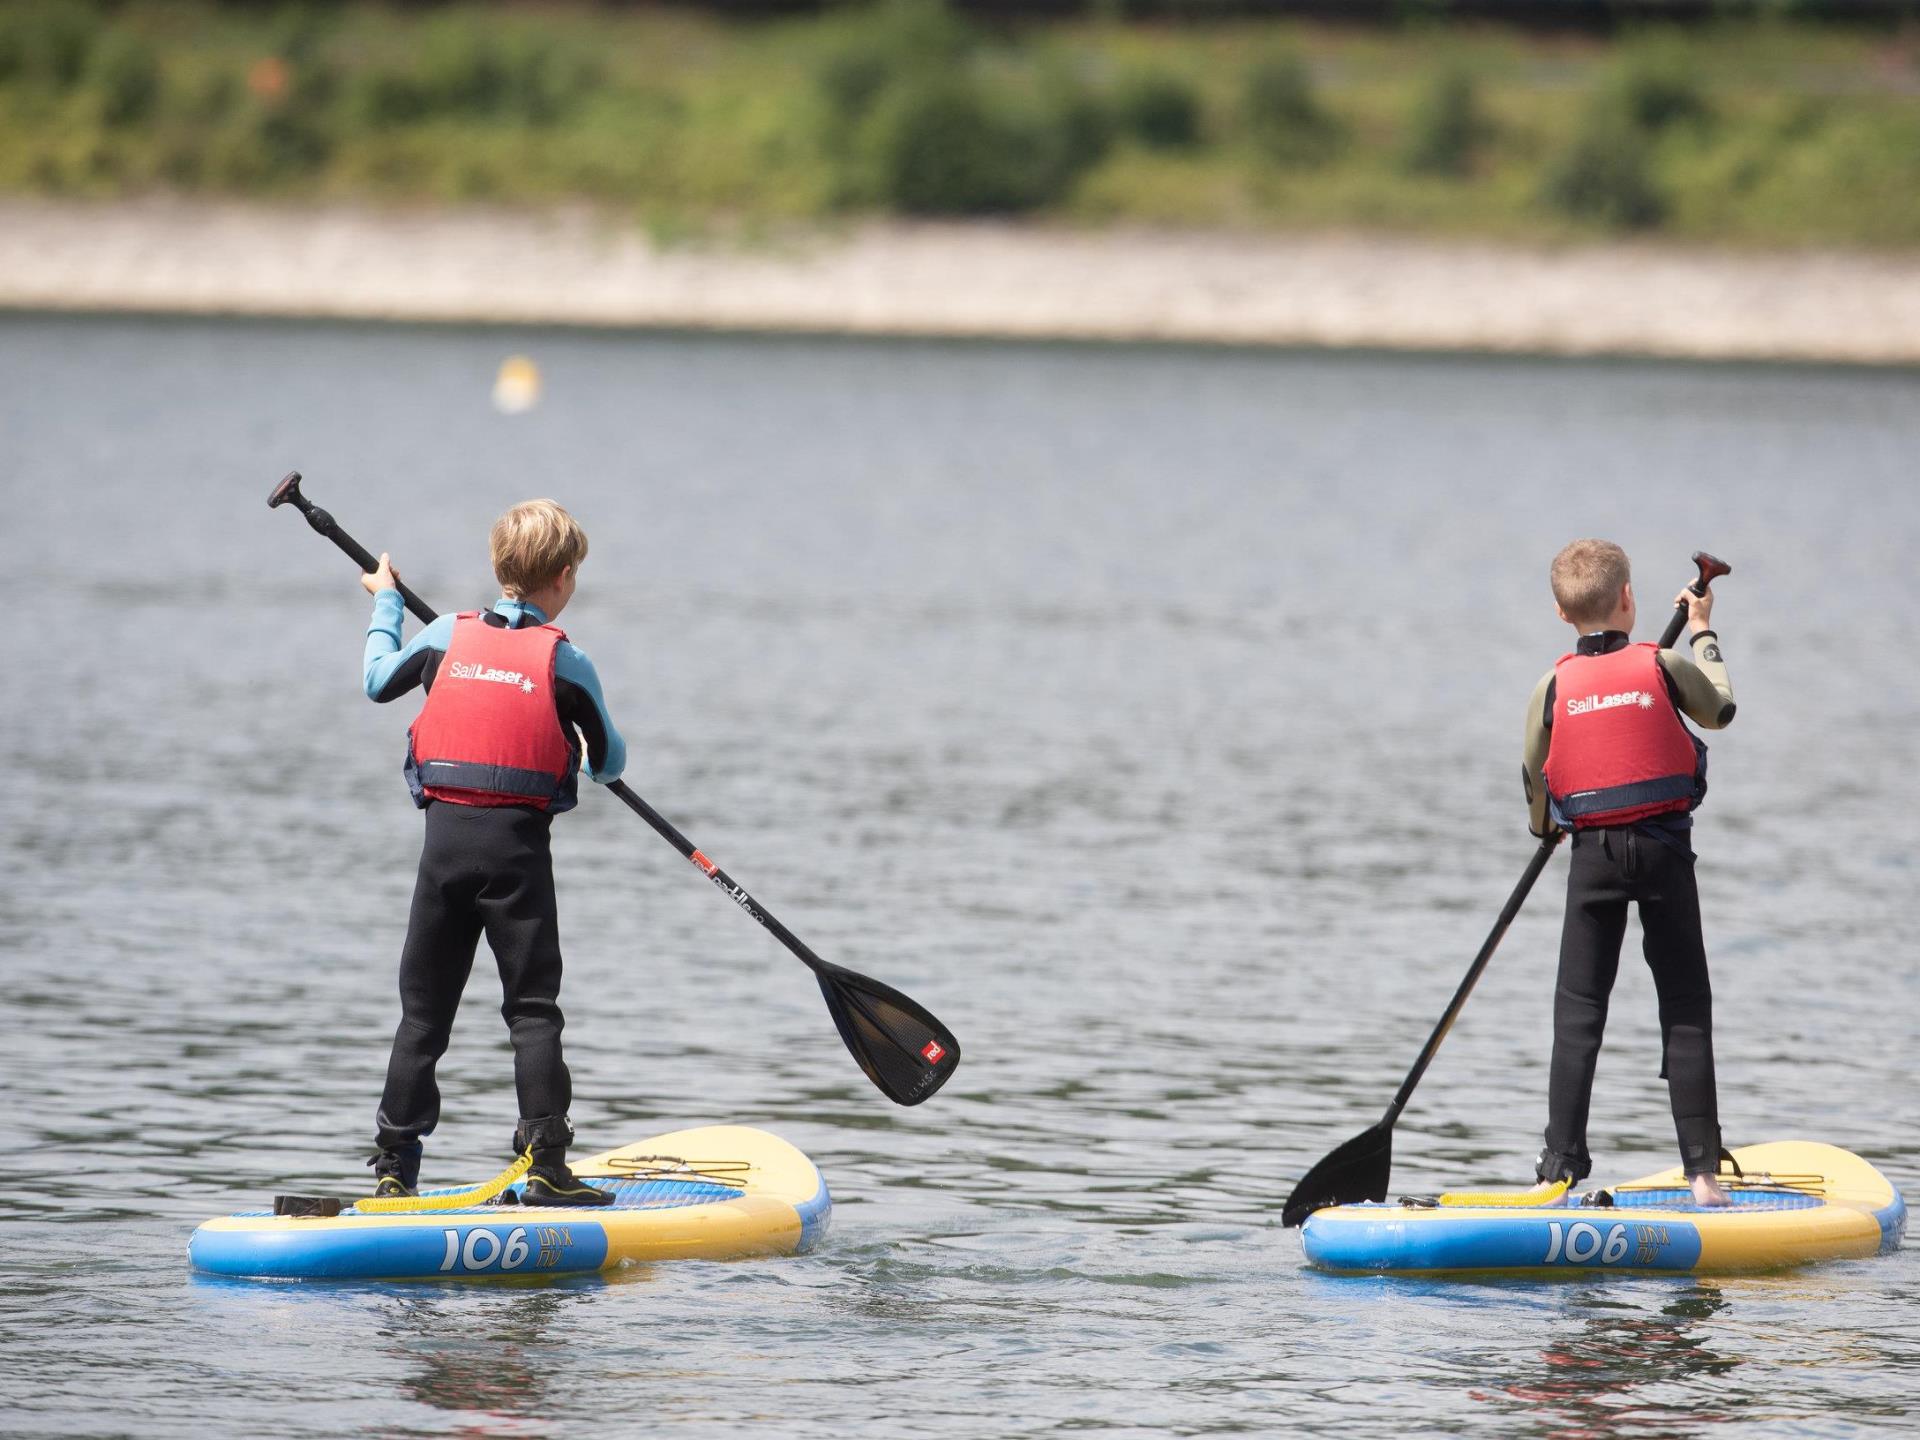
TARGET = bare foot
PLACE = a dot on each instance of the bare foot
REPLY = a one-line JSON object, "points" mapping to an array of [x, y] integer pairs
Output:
{"points": [[1707, 1191]]}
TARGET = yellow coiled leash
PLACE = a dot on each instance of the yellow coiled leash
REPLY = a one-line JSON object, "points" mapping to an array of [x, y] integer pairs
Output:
{"points": [[457, 1200], [1538, 1197]]}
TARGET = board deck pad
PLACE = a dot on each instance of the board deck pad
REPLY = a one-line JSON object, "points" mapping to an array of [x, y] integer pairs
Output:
{"points": [[1799, 1202], [1678, 1199], [718, 1192]]}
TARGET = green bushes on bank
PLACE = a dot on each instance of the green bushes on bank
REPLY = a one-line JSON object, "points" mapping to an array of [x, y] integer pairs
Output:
{"points": [[463, 72], [1653, 88], [47, 42], [923, 116], [956, 147], [1447, 126], [1158, 109], [1283, 115], [1750, 132], [1607, 173], [126, 79], [896, 46]]}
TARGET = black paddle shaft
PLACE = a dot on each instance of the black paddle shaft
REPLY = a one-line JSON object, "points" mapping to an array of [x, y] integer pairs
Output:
{"points": [[1454, 1006], [287, 492], [874, 1020], [904, 1050], [728, 886]]}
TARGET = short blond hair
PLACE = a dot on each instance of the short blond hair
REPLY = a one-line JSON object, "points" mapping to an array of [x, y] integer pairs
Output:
{"points": [[1587, 576], [532, 543]]}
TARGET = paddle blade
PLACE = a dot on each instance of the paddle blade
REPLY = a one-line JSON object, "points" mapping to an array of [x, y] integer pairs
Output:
{"points": [[903, 1049], [1358, 1170]]}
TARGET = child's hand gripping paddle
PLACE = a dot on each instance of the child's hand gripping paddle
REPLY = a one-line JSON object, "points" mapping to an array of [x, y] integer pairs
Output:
{"points": [[1711, 569], [903, 1049], [1359, 1169]]}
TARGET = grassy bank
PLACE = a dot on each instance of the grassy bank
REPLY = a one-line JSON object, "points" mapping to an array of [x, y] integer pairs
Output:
{"points": [[1745, 133]]}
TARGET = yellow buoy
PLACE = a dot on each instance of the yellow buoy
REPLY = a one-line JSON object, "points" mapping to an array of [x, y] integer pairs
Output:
{"points": [[516, 389]]}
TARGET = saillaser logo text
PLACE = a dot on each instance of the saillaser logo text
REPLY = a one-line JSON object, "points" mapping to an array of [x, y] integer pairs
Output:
{"points": [[462, 670], [1638, 698]]}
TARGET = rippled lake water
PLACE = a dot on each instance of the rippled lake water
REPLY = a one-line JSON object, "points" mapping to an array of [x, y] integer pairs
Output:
{"points": [[1151, 715]]}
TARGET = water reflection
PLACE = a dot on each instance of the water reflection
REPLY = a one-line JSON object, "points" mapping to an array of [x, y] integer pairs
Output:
{"points": [[1604, 1381], [488, 1357]]}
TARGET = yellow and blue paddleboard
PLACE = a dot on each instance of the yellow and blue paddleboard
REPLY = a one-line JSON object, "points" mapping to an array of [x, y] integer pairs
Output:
{"points": [[1799, 1202], [721, 1192]]}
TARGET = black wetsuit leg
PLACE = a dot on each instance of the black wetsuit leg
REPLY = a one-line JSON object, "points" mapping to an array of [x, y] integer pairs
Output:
{"points": [[523, 930], [1609, 869], [443, 930], [481, 868], [1590, 936], [1669, 904]]}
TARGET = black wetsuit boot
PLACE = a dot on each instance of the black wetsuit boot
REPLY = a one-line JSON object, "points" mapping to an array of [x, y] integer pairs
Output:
{"points": [[396, 1170], [550, 1182]]}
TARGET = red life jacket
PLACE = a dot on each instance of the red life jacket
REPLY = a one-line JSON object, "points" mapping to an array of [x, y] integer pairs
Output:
{"points": [[490, 732], [1619, 751]]}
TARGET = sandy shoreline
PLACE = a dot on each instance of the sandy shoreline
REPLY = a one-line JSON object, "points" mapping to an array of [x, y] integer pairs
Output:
{"points": [[1358, 291]]}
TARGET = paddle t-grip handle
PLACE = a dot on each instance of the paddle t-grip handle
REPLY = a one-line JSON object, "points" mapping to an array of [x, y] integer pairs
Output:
{"points": [[287, 492], [1711, 568]]}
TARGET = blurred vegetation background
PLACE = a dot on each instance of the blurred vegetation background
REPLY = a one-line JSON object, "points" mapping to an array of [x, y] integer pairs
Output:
{"points": [[1757, 124]]}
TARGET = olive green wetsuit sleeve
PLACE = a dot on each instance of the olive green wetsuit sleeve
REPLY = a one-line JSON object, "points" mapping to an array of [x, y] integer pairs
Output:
{"points": [[1700, 681], [1533, 759]]}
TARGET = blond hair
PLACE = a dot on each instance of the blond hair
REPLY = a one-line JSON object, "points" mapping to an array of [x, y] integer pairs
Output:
{"points": [[532, 543], [1587, 577]]}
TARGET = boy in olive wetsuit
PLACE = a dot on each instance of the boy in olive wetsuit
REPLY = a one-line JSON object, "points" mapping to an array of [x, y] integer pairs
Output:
{"points": [[492, 757], [1608, 758]]}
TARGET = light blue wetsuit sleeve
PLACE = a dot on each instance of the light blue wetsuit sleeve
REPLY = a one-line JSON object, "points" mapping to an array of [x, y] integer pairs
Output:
{"points": [[570, 663], [385, 657]]}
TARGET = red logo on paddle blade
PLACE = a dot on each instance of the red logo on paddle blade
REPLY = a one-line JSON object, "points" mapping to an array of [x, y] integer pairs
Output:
{"points": [[705, 864], [933, 1053]]}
